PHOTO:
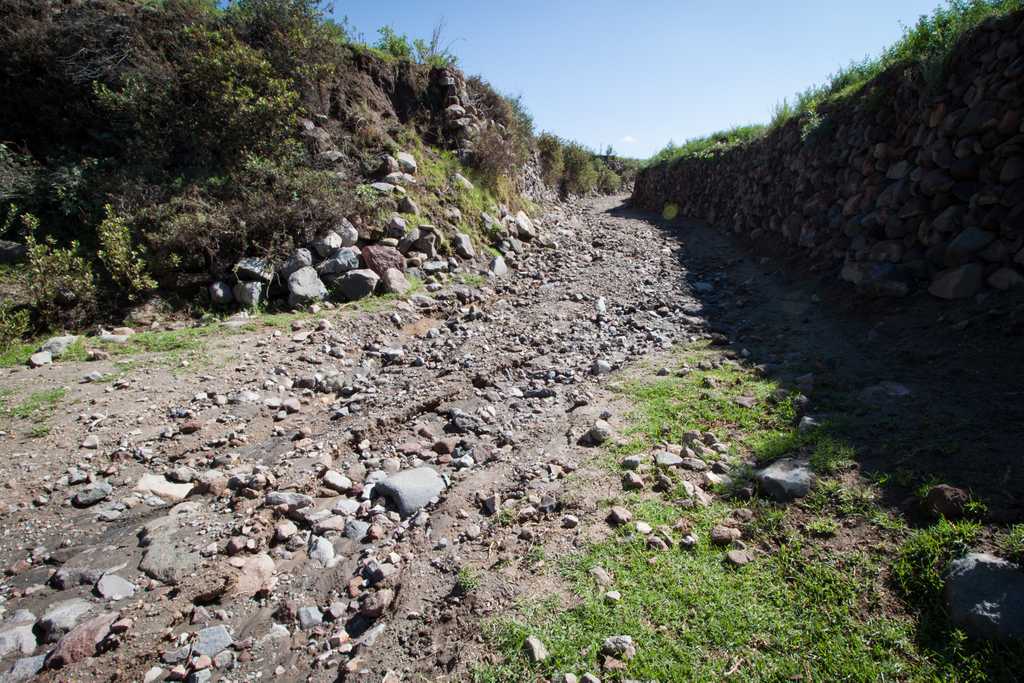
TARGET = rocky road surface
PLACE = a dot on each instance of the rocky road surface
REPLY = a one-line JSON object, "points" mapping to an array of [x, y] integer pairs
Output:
{"points": [[300, 507]]}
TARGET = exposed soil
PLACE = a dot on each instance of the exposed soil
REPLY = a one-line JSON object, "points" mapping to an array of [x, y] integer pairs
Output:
{"points": [[501, 373]]}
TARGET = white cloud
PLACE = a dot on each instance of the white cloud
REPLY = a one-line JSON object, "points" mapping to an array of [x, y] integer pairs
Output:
{"points": [[628, 140]]}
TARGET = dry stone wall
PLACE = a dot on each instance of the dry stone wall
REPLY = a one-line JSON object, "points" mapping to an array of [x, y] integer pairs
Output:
{"points": [[904, 185]]}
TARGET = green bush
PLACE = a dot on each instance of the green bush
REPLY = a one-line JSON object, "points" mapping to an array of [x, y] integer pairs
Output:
{"points": [[59, 281], [14, 325], [580, 175], [122, 260], [392, 44], [552, 161]]}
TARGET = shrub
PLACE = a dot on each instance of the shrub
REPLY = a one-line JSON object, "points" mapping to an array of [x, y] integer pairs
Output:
{"points": [[608, 181], [14, 325], [59, 281], [392, 44], [552, 162], [123, 262], [580, 176]]}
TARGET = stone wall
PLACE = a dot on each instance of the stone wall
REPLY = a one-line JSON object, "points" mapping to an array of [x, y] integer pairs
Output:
{"points": [[901, 186]]}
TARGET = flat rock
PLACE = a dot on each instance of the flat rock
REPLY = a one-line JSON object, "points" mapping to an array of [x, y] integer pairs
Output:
{"points": [[61, 618], [57, 346], [984, 595], [213, 640], [786, 479], [23, 669], [16, 634], [157, 485], [114, 587], [412, 489], [167, 563]]}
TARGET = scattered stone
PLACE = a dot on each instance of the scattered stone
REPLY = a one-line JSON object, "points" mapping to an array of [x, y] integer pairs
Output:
{"points": [[535, 650], [113, 587], [600, 432], [157, 485], [724, 535], [82, 641], [97, 492], [621, 647], [946, 501], [619, 516], [61, 618], [211, 641], [786, 479]]}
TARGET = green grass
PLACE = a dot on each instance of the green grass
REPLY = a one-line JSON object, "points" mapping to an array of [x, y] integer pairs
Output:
{"points": [[38, 405], [925, 554], [467, 580], [17, 354], [693, 619], [1012, 543], [708, 145], [664, 409]]}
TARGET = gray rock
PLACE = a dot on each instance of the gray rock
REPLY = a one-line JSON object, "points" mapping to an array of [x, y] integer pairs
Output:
{"points": [[213, 640], [328, 244], [254, 269], [302, 258], [396, 227], [406, 162], [600, 432], [16, 634], [786, 479], [356, 284], [410, 490], [464, 245], [985, 597], [220, 293], [340, 262], [305, 287], [666, 459], [248, 294], [535, 650], [99, 491], [310, 616], [461, 180], [23, 669], [498, 267], [600, 367], [12, 252], [57, 346], [958, 283], [114, 587], [395, 282], [525, 227], [321, 551], [290, 499], [407, 205], [970, 241], [61, 618], [355, 529], [39, 359], [167, 563]]}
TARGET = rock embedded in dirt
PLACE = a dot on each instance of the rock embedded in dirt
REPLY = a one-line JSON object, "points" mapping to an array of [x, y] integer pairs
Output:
{"points": [[984, 596], [16, 634], [619, 646], [40, 358], [113, 587], [24, 669], [165, 562], [738, 558], [97, 492], [724, 535], [535, 650], [958, 283], [618, 516], [786, 479], [58, 346], [498, 267], [411, 490], [946, 501], [157, 485], [598, 433]]}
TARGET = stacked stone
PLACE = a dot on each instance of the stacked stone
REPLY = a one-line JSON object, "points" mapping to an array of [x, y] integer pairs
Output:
{"points": [[895, 186]]}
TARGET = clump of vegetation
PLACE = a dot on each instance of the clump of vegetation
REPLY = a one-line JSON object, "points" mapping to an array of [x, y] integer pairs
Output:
{"points": [[574, 169], [708, 145], [918, 571], [59, 280], [123, 261]]}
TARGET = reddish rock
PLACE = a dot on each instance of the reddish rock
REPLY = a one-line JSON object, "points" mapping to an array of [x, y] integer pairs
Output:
{"points": [[946, 501], [80, 642], [379, 258]]}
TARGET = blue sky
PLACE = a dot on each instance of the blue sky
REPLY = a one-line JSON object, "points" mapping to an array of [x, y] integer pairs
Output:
{"points": [[636, 74]]}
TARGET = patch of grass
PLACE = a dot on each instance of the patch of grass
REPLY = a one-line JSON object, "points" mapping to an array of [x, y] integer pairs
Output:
{"points": [[709, 145], [39, 431], [17, 353], [1012, 543], [694, 619], [823, 526], [38, 405], [467, 580], [918, 570], [470, 279]]}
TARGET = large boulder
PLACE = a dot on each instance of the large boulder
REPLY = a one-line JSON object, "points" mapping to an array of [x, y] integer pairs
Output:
{"points": [[394, 282], [379, 258], [410, 490], [464, 245], [406, 162], [340, 262], [524, 226], [57, 346], [254, 269], [356, 284], [12, 252], [985, 597], [498, 268], [305, 287], [220, 293], [300, 259], [786, 479], [248, 294]]}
